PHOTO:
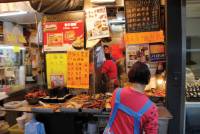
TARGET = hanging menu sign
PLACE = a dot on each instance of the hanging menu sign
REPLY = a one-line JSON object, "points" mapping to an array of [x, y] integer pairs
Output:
{"points": [[157, 52], [61, 36], [144, 37], [56, 64], [78, 69], [142, 15], [97, 23]]}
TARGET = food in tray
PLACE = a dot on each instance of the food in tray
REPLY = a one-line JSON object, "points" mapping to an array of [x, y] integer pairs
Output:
{"points": [[48, 106], [72, 105], [156, 92], [108, 103], [36, 94]]}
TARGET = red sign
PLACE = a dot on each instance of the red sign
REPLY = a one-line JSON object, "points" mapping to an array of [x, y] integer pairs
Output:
{"points": [[60, 36]]}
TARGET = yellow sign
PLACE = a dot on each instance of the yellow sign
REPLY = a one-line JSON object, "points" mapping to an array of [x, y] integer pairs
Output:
{"points": [[16, 49], [21, 39], [78, 69], [11, 38], [56, 64], [144, 37]]}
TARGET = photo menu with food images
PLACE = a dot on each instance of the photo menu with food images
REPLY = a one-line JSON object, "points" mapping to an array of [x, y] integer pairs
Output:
{"points": [[61, 36], [78, 69], [97, 23]]}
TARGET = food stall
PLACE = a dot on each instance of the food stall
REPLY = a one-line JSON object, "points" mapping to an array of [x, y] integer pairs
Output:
{"points": [[72, 48]]}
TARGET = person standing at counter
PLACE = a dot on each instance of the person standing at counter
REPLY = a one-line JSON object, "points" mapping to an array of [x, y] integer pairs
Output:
{"points": [[132, 111], [109, 73]]}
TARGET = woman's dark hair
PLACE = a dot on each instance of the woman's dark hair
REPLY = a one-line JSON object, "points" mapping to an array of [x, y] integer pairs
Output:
{"points": [[107, 56], [139, 73]]}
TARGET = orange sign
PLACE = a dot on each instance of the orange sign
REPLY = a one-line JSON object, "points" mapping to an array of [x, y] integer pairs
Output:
{"points": [[78, 69], [144, 37]]}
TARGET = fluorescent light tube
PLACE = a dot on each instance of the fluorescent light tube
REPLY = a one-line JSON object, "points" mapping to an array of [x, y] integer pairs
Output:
{"points": [[4, 14]]}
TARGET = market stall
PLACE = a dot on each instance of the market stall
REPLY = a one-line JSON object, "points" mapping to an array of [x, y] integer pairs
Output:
{"points": [[73, 52]]}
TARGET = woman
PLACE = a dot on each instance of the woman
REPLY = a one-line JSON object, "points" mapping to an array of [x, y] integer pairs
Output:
{"points": [[132, 111]]}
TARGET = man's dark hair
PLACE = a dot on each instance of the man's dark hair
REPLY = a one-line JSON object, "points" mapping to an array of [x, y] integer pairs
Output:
{"points": [[139, 73], [107, 56], [105, 46]]}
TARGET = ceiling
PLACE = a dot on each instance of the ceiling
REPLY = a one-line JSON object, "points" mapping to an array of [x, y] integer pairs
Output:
{"points": [[29, 18], [192, 11]]}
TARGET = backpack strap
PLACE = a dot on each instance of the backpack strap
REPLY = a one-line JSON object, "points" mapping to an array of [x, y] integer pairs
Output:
{"points": [[145, 107], [116, 105]]}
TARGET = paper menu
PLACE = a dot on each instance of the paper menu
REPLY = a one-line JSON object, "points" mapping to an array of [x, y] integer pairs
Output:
{"points": [[56, 65], [78, 69], [97, 23]]}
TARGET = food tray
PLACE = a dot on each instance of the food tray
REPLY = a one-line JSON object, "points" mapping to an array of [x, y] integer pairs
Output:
{"points": [[69, 110], [56, 100], [89, 110], [42, 110]]}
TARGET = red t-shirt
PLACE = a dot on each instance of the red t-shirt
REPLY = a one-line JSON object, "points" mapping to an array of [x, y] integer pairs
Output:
{"points": [[123, 123], [116, 51], [110, 68]]}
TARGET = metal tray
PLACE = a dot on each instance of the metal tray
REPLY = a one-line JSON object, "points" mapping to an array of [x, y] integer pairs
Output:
{"points": [[69, 110], [91, 110]]}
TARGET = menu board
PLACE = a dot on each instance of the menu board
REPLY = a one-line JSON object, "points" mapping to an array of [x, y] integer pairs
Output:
{"points": [[157, 52], [144, 37], [78, 69], [136, 53], [56, 64], [97, 23], [142, 15], [61, 36]]}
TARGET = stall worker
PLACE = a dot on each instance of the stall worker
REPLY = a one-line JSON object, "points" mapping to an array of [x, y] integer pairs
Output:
{"points": [[132, 111], [109, 70]]}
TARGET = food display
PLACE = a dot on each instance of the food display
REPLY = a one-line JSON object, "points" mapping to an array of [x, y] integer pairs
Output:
{"points": [[34, 96], [142, 15], [46, 108], [97, 23], [155, 93], [193, 91], [78, 69], [38, 93]]}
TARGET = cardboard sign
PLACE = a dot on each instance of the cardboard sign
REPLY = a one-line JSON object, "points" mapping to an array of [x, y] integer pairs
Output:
{"points": [[78, 69], [157, 52], [144, 37], [56, 64], [61, 36]]}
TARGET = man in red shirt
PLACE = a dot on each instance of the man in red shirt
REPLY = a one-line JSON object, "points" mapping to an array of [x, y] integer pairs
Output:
{"points": [[132, 111], [109, 70]]}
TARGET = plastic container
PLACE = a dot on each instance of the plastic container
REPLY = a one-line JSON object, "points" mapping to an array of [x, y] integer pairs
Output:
{"points": [[15, 130]]}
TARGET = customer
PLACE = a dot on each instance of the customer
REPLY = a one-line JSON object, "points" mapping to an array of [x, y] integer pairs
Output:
{"points": [[132, 111], [109, 70]]}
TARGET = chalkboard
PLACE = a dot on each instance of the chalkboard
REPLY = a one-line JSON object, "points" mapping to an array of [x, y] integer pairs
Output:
{"points": [[142, 15]]}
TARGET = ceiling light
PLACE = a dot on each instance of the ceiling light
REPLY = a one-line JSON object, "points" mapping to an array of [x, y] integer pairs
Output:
{"points": [[4, 14]]}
